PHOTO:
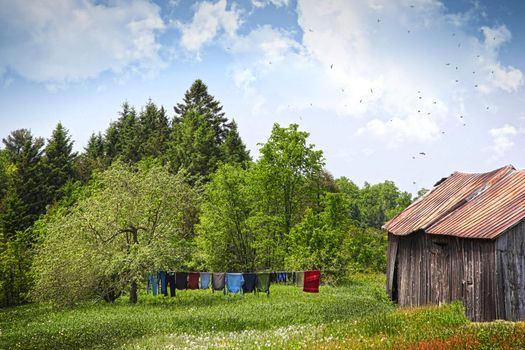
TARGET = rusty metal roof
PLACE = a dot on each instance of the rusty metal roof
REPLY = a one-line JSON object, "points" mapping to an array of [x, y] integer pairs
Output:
{"points": [[464, 204]]}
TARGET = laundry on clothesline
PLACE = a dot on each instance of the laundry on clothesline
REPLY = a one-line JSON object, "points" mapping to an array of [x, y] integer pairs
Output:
{"points": [[231, 282]]}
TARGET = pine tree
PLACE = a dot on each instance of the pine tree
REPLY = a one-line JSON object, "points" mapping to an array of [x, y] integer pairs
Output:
{"points": [[121, 138], [233, 149], [199, 100], [193, 146], [154, 131], [26, 198], [58, 162]]}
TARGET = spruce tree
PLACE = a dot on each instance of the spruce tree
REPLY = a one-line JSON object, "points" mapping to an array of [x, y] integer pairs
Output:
{"points": [[122, 136], [200, 101], [26, 198], [193, 146], [58, 162], [233, 149], [153, 132]]}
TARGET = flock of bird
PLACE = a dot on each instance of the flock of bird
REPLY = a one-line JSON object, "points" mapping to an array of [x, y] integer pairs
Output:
{"points": [[418, 95]]}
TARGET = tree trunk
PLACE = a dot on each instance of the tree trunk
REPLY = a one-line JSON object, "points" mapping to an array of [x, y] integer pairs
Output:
{"points": [[133, 297]]}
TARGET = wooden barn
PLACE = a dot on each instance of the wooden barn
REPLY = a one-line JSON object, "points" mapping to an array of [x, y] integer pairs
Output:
{"points": [[463, 240]]}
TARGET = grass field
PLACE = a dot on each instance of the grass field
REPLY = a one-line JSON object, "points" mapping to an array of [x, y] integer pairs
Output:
{"points": [[357, 315]]}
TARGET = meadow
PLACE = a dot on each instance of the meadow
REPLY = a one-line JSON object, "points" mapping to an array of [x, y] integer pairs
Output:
{"points": [[355, 315]]}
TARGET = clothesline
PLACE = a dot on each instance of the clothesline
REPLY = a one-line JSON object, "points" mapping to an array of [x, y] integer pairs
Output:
{"points": [[231, 282]]}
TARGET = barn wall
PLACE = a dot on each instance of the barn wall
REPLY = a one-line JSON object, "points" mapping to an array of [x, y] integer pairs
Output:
{"points": [[434, 269], [510, 273]]}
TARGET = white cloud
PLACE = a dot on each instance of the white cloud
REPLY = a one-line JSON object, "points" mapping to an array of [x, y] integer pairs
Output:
{"points": [[59, 41], [495, 37], [264, 3], [503, 139], [209, 20]]}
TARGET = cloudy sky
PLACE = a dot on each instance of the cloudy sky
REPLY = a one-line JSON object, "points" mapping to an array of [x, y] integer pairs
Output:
{"points": [[408, 91]]}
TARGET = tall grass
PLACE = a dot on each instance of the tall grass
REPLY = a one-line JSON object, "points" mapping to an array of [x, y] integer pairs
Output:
{"points": [[354, 316]]}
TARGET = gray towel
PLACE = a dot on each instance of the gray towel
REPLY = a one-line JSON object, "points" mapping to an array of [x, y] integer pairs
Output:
{"points": [[217, 280], [299, 279]]}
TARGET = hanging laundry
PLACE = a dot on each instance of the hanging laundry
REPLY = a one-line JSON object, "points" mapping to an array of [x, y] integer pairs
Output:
{"points": [[290, 277], [281, 277], [234, 282], [181, 279], [193, 280], [263, 282], [162, 280], [205, 280], [311, 281], [273, 277], [250, 280], [170, 281], [299, 279], [153, 282], [218, 281]]}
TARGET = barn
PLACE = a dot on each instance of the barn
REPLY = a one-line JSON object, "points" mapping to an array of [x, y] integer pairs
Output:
{"points": [[463, 240]]}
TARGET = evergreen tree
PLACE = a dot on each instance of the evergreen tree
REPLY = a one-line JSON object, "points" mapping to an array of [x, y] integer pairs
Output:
{"points": [[154, 131], [121, 140], [233, 149], [193, 147], [199, 100], [26, 199], [95, 146], [59, 160]]}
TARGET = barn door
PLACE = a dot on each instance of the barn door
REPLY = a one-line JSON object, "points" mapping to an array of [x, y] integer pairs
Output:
{"points": [[439, 272]]}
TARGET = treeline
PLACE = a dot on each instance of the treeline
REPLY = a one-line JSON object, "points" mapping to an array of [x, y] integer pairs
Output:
{"points": [[155, 192]]}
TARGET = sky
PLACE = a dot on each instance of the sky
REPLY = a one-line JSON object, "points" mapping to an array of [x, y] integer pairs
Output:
{"points": [[408, 91]]}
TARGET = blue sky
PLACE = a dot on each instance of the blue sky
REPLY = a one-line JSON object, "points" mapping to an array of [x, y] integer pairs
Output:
{"points": [[408, 91]]}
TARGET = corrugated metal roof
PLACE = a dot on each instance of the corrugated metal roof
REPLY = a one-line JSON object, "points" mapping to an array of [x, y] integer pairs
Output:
{"points": [[490, 213], [450, 195]]}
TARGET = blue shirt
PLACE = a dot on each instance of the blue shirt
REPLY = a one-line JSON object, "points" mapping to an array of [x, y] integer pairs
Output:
{"points": [[234, 282], [205, 280]]}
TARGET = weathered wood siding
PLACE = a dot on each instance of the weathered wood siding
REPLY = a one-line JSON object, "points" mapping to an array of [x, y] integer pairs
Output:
{"points": [[510, 274], [432, 269]]}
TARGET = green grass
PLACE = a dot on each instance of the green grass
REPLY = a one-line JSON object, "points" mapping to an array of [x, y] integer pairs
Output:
{"points": [[357, 315]]}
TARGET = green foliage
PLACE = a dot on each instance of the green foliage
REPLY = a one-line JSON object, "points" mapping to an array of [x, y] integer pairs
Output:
{"points": [[15, 261], [58, 162], [317, 240], [26, 197], [233, 149], [201, 137], [381, 202], [287, 164], [193, 145], [154, 130], [137, 219], [373, 205], [226, 239], [198, 100], [366, 247]]}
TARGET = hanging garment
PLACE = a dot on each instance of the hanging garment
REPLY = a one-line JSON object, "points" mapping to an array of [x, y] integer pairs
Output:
{"points": [[218, 281], [281, 277], [162, 280], [263, 282], [250, 280], [153, 282], [181, 279], [299, 279], [193, 280], [290, 277], [205, 280], [311, 281], [273, 277], [234, 282], [170, 281]]}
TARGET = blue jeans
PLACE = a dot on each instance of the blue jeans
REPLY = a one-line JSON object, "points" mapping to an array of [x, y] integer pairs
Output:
{"points": [[154, 282], [163, 284]]}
